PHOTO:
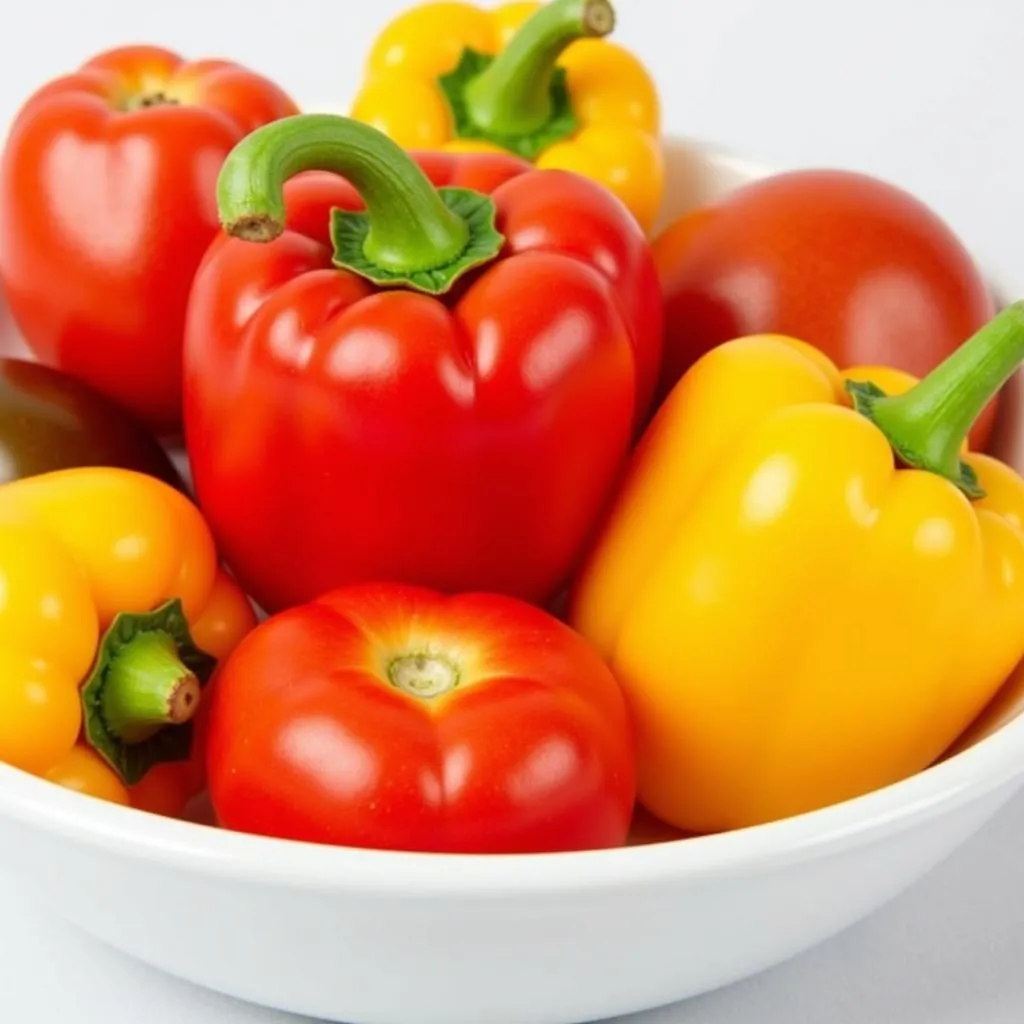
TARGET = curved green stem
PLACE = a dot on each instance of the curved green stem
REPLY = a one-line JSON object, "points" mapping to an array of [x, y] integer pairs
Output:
{"points": [[411, 233], [927, 426], [513, 95], [410, 227]]}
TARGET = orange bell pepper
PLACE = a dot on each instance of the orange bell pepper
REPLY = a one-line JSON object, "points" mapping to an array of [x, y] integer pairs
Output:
{"points": [[109, 580], [536, 80], [807, 588]]}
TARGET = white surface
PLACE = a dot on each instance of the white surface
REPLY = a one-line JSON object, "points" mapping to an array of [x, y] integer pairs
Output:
{"points": [[932, 106], [947, 952]]}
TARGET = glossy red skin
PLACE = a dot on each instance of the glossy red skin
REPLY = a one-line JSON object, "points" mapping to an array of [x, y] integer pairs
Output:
{"points": [[859, 268], [105, 215], [339, 434], [532, 752]]}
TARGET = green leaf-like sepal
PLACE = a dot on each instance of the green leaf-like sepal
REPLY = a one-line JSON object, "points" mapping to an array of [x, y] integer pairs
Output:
{"points": [[562, 123], [349, 232], [865, 395], [132, 761]]}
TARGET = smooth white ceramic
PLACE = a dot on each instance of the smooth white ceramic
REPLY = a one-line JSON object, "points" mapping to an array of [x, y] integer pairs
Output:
{"points": [[384, 938]]}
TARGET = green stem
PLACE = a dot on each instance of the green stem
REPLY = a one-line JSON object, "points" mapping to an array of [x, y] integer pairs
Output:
{"points": [[144, 688], [411, 228], [148, 687], [927, 426], [513, 95], [411, 233]]}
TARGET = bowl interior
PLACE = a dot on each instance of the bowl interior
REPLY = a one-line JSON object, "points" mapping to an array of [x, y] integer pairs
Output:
{"points": [[985, 756]]}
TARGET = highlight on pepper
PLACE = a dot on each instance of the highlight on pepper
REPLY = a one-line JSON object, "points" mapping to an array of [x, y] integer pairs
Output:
{"points": [[541, 81]]}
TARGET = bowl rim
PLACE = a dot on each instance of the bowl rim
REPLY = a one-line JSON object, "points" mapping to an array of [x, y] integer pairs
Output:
{"points": [[994, 763]]}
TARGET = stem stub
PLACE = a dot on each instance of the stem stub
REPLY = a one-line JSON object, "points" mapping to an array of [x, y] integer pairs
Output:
{"points": [[423, 675], [144, 688]]}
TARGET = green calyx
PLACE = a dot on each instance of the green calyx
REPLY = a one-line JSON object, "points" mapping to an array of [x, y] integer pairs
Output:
{"points": [[411, 234], [350, 234], [927, 426], [519, 99], [559, 122], [144, 688]]}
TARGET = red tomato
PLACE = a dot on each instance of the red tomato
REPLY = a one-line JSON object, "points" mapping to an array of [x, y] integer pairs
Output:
{"points": [[107, 204], [391, 716], [853, 265]]}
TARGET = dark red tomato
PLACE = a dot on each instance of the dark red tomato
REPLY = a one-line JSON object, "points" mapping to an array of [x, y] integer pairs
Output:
{"points": [[50, 420], [855, 266], [392, 717]]}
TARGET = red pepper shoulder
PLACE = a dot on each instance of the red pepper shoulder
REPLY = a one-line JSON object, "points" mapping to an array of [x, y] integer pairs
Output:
{"points": [[482, 172]]}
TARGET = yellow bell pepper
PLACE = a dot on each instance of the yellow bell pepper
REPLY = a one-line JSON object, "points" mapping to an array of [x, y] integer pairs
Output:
{"points": [[539, 81], [807, 588], [106, 578]]}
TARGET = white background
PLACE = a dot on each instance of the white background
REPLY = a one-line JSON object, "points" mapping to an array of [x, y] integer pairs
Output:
{"points": [[924, 92]]}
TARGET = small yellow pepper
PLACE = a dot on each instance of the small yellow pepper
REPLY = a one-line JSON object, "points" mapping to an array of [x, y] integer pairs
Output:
{"points": [[535, 80], [808, 588], [107, 576]]}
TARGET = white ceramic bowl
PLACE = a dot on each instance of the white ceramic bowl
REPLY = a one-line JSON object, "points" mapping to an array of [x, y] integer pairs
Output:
{"points": [[389, 938]]}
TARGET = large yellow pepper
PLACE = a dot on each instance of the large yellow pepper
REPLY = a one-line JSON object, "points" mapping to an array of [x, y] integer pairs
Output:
{"points": [[808, 589], [113, 612], [535, 80]]}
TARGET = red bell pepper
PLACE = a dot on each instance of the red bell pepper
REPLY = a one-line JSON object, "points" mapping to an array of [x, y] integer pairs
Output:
{"points": [[440, 390], [392, 717], [107, 203]]}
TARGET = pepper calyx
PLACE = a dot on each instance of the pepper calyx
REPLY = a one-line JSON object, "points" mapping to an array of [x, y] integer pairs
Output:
{"points": [[561, 122], [143, 689], [865, 395], [351, 230]]}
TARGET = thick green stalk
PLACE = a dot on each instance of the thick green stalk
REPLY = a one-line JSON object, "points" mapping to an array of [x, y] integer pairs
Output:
{"points": [[513, 95], [928, 425]]}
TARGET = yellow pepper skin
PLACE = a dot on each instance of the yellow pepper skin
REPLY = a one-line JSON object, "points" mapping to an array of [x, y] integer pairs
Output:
{"points": [[796, 615], [85, 554], [537, 80]]}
